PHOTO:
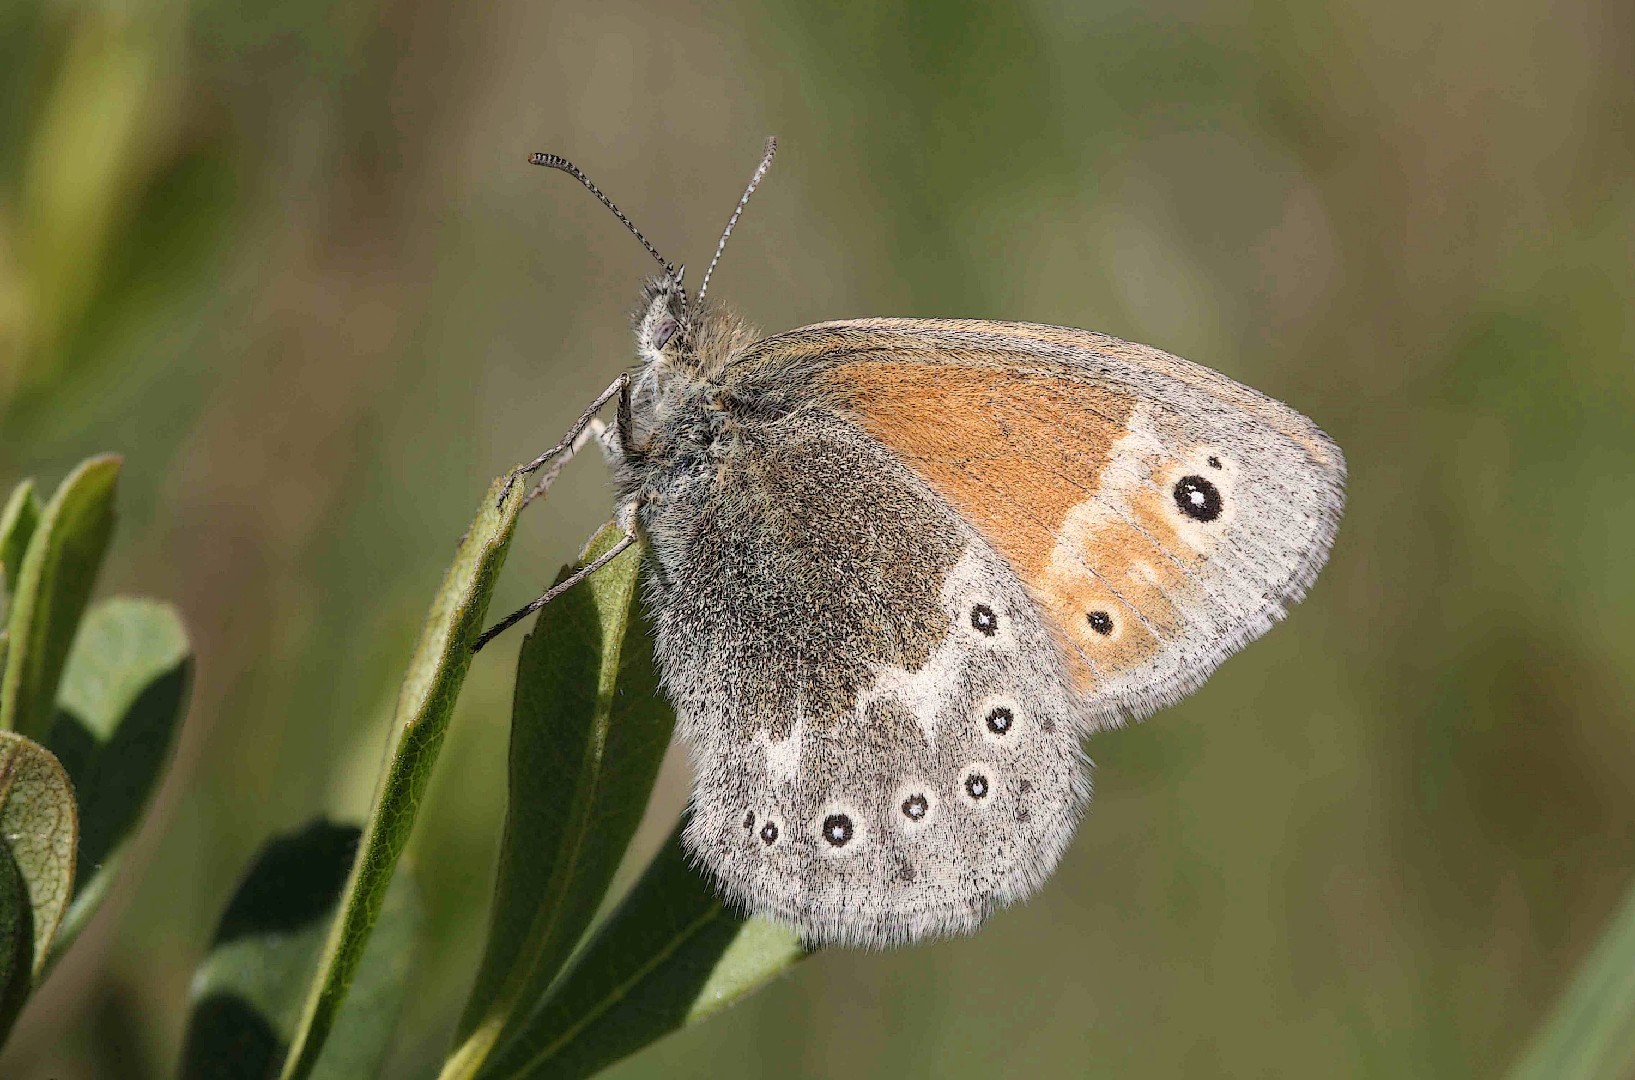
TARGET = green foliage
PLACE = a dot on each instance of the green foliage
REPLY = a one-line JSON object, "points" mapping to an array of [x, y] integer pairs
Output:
{"points": [[249, 991], [18, 521], [672, 954], [588, 716], [54, 581], [104, 696], [124, 691], [436, 672], [40, 826], [16, 940], [1590, 1034]]}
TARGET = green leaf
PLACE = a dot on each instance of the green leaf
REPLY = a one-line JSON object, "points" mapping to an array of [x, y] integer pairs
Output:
{"points": [[17, 523], [249, 991], [123, 694], [425, 702], [39, 823], [16, 942], [1591, 1033], [588, 731], [670, 955], [53, 585]]}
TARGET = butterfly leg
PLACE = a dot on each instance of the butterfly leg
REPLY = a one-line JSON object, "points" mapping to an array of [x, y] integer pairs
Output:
{"points": [[594, 430], [567, 444], [556, 590]]}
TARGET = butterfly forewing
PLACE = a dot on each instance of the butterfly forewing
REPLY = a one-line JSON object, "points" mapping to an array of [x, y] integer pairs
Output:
{"points": [[1159, 514]]}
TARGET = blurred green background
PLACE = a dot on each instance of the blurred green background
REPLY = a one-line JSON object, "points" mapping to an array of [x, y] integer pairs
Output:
{"points": [[289, 259]]}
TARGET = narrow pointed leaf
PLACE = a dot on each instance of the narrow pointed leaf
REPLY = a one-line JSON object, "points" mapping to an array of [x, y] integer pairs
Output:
{"points": [[18, 520], [1590, 1035], [39, 825], [54, 583], [588, 731], [670, 955], [436, 672], [123, 694], [248, 992], [17, 523], [16, 942]]}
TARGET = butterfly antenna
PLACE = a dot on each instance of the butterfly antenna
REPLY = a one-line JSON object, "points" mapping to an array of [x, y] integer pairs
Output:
{"points": [[754, 182], [551, 161]]}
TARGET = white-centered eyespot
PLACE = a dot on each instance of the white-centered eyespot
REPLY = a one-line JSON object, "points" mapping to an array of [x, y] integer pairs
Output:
{"points": [[999, 718], [839, 828], [768, 832], [978, 784], [914, 806], [982, 620]]}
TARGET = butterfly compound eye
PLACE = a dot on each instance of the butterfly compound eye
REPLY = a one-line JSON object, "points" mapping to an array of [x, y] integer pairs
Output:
{"points": [[666, 330], [1197, 498]]}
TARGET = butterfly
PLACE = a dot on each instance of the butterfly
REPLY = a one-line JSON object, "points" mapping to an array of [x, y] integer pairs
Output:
{"points": [[899, 569]]}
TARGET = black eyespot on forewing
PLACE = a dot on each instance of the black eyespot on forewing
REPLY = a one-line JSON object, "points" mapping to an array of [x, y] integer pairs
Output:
{"points": [[976, 785], [837, 829], [1197, 498], [1101, 622], [915, 807], [984, 621], [1214, 462], [999, 719], [769, 833]]}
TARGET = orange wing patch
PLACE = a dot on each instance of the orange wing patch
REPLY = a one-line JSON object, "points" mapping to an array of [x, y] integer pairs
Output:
{"points": [[1022, 457]]}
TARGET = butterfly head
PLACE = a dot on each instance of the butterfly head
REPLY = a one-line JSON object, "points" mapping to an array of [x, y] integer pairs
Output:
{"points": [[662, 322]]}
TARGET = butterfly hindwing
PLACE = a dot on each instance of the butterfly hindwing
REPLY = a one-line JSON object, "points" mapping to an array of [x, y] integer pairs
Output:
{"points": [[884, 741]]}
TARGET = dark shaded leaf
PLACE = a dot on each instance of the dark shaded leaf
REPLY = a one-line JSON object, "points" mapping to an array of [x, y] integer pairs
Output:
{"points": [[124, 691], [249, 991], [54, 583], [670, 955], [588, 731], [16, 942], [425, 702]]}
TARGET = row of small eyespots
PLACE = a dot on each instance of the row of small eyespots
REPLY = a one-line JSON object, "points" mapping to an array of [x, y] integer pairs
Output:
{"points": [[916, 806]]}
